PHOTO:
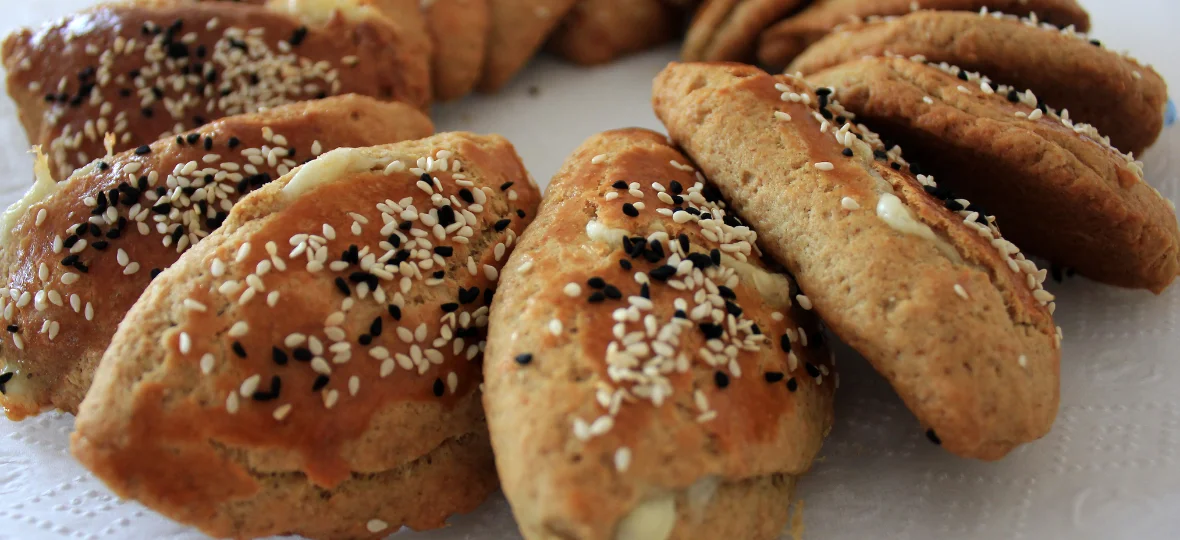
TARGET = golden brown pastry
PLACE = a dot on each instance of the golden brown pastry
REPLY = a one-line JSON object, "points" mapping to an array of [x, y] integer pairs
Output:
{"points": [[782, 42], [1121, 97], [150, 70], [600, 31], [729, 29], [518, 28], [649, 377], [459, 29], [313, 367], [947, 310], [1060, 189], [75, 255]]}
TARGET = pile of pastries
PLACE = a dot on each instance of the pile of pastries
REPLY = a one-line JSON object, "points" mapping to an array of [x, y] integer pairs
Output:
{"points": [[280, 304]]}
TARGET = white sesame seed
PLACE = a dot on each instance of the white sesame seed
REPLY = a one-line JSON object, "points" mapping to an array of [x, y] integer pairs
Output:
{"points": [[282, 412], [1035, 115], [69, 278], [1023, 361], [598, 159], [782, 116], [849, 203], [231, 403], [207, 362], [186, 343], [959, 290], [250, 385], [41, 214], [572, 290], [131, 269], [376, 525], [193, 305], [804, 301], [555, 327], [824, 166], [239, 329]]}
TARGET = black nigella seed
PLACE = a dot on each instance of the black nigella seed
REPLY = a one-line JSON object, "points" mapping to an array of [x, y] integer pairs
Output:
{"points": [[792, 384], [733, 309], [711, 331], [823, 91], [625, 264], [446, 216], [439, 387], [439, 274], [71, 240], [1014, 96], [680, 314], [630, 210], [234, 142], [895, 166], [645, 291], [343, 286], [278, 356], [930, 434], [524, 359], [320, 383], [721, 379], [155, 272], [785, 343], [663, 273], [365, 339], [209, 144], [847, 152], [302, 354], [95, 230], [619, 184], [375, 328], [596, 283], [450, 307], [502, 224], [612, 292], [726, 292], [101, 245], [963, 76], [953, 205], [12, 328], [395, 312], [239, 349], [193, 138], [812, 370], [142, 150], [773, 376], [298, 36], [675, 187], [466, 195], [506, 185], [596, 297], [520, 214]]}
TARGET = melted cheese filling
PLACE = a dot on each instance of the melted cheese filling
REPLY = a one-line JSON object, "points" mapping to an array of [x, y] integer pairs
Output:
{"points": [[328, 168], [321, 11], [43, 187], [655, 518]]}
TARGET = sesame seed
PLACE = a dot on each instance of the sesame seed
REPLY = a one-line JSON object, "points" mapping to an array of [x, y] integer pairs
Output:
{"points": [[804, 301], [555, 327], [185, 343], [598, 159], [824, 166], [376, 525], [782, 116], [848, 203], [959, 290]]}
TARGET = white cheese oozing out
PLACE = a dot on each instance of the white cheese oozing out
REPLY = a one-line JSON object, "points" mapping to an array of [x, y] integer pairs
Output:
{"points": [[894, 212], [599, 232], [328, 168], [43, 187], [653, 519], [321, 11]]}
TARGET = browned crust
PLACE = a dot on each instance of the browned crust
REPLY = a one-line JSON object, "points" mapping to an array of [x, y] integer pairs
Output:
{"points": [[156, 428], [61, 370], [782, 42], [729, 29], [459, 29], [600, 31], [562, 486], [1122, 98], [1061, 195], [518, 28], [888, 294], [388, 68]]}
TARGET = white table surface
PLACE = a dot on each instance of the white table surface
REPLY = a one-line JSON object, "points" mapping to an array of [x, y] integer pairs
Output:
{"points": [[1109, 468]]}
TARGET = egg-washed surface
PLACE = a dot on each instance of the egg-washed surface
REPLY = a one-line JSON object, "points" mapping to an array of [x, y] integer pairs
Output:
{"points": [[459, 30], [148, 71], [313, 367], [517, 30], [1059, 187], [1120, 96], [729, 29], [782, 42], [77, 254], [953, 315], [646, 367], [600, 31]]}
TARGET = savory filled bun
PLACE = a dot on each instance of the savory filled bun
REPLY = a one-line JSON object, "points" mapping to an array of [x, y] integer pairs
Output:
{"points": [[649, 377], [518, 29], [931, 294], [729, 29], [600, 31], [76, 254], [459, 29], [153, 69], [784, 41], [1121, 97], [1060, 189], [313, 366]]}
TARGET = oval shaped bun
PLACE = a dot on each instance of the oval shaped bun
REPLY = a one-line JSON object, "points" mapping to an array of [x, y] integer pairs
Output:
{"points": [[313, 367], [941, 305], [102, 234], [638, 360]]}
